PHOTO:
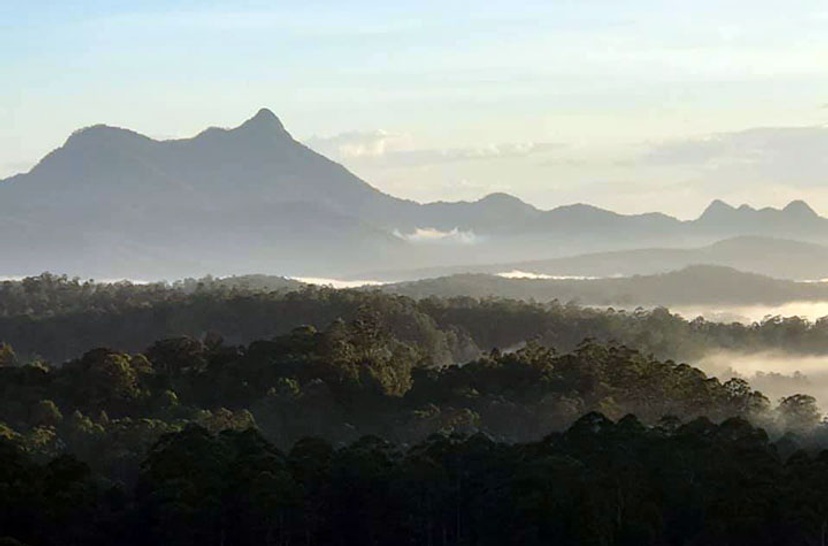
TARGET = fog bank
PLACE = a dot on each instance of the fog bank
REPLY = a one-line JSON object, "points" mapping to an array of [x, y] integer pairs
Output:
{"points": [[775, 374], [811, 310]]}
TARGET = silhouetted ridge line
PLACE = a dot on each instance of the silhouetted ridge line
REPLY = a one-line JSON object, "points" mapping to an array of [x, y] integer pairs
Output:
{"points": [[114, 203]]}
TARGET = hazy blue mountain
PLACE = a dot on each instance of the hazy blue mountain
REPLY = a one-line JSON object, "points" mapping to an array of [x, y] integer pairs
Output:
{"points": [[111, 202], [796, 219], [779, 258], [695, 285]]}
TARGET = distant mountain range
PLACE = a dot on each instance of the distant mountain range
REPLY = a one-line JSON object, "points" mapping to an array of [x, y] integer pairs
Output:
{"points": [[112, 203], [778, 258], [691, 286]]}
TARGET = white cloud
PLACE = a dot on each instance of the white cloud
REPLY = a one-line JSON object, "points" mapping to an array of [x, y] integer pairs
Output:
{"points": [[765, 166], [518, 274], [396, 149], [359, 144], [435, 236], [790, 156], [337, 283]]}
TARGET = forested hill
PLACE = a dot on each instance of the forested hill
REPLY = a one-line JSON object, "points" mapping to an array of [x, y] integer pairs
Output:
{"points": [[350, 432], [695, 285], [56, 319], [214, 414]]}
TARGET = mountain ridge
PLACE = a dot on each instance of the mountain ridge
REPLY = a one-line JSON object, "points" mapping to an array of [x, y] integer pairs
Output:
{"points": [[267, 123], [118, 189], [689, 286], [778, 258]]}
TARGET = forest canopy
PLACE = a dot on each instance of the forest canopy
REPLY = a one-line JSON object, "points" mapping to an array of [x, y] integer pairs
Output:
{"points": [[208, 412]]}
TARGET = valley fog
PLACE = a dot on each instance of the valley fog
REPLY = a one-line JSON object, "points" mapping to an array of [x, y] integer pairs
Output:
{"points": [[810, 310], [775, 374]]}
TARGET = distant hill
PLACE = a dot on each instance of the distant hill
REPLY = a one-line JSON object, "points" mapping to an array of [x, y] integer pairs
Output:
{"points": [[113, 203], [696, 285], [778, 258]]}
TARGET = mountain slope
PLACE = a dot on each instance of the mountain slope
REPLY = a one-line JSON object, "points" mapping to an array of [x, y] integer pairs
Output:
{"points": [[778, 258], [220, 168], [111, 202], [696, 285], [225, 201]]}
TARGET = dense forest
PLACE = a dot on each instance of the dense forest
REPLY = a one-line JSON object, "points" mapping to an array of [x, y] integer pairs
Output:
{"points": [[598, 483], [54, 318], [236, 412]]}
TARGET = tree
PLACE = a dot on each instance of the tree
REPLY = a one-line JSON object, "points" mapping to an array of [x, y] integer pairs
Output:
{"points": [[7, 356], [799, 412], [101, 380], [46, 413]]}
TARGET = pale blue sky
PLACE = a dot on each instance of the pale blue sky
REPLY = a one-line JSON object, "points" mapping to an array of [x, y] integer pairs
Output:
{"points": [[553, 101]]}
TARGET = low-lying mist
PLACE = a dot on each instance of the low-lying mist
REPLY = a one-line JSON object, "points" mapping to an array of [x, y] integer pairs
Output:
{"points": [[775, 374], [337, 283], [811, 310]]}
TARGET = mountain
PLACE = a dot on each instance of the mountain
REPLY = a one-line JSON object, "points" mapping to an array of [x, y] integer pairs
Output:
{"points": [[220, 169], [796, 219], [111, 203], [696, 285], [778, 258]]}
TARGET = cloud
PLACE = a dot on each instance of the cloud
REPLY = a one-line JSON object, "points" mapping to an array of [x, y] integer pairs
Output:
{"points": [[338, 283], [494, 151], [518, 274], [433, 235], [396, 149], [791, 156], [359, 144]]}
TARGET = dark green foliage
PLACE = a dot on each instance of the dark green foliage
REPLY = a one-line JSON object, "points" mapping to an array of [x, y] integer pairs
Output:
{"points": [[7, 356], [56, 318], [599, 482], [355, 427], [347, 381]]}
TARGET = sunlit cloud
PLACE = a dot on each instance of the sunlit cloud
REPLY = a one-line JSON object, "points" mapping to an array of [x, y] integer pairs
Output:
{"points": [[435, 236], [359, 144], [395, 149], [518, 274], [337, 283], [790, 156]]}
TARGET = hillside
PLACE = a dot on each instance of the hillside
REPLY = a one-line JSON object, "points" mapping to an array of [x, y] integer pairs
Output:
{"points": [[694, 285], [778, 258]]}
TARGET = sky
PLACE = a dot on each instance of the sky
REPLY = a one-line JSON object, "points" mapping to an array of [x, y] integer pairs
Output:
{"points": [[633, 105]]}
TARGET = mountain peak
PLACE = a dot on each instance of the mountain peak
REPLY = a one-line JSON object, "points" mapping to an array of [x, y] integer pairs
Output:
{"points": [[500, 197], [718, 205], [716, 209], [799, 208], [101, 137], [264, 120], [265, 114], [102, 133], [505, 203]]}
